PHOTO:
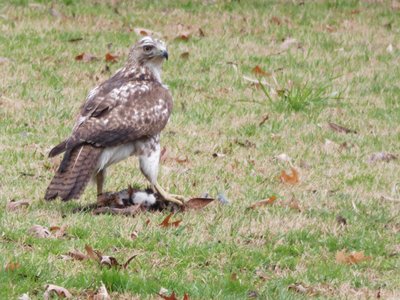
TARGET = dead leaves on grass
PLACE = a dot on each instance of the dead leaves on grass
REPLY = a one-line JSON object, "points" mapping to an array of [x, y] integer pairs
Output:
{"points": [[15, 205], [340, 129], [263, 203], [105, 260], [85, 57], [44, 232], [52, 289], [381, 156], [12, 266], [290, 178], [166, 222], [343, 257]]}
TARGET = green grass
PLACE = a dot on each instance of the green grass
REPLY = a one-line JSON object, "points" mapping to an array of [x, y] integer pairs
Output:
{"points": [[342, 73]]}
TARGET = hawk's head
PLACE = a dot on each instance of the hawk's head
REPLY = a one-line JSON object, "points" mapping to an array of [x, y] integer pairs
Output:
{"points": [[148, 50]]}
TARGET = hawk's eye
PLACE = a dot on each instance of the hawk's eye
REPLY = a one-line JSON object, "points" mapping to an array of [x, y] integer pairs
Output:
{"points": [[147, 48]]}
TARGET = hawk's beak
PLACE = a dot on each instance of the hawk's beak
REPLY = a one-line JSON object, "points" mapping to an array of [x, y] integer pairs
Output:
{"points": [[164, 54]]}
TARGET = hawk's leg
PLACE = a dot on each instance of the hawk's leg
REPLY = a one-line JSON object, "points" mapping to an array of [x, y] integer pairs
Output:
{"points": [[100, 176], [149, 163]]}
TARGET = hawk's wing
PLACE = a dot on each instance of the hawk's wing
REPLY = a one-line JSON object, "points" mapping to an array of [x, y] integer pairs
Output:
{"points": [[123, 113]]}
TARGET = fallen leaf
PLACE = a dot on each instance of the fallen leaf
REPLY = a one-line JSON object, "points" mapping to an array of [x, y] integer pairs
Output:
{"points": [[389, 48], [330, 146], [167, 223], [265, 202], [102, 293], [186, 297], [14, 205], [76, 254], [109, 261], [382, 156], [95, 255], [111, 58], [184, 55], [291, 179], [144, 32], [339, 128], [58, 290], [40, 231], [218, 154], [12, 266], [58, 231], [260, 72], [198, 203], [85, 57], [355, 12], [350, 258], [171, 297], [125, 265]]}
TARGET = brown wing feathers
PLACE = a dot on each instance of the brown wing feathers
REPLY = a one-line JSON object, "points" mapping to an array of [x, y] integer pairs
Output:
{"points": [[79, 167]]}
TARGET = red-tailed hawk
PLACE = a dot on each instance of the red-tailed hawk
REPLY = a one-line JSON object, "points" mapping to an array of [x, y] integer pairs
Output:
{"points": [[123, 116]]}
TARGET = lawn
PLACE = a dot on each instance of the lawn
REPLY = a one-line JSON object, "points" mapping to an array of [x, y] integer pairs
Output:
{"points": [[255, 86]]}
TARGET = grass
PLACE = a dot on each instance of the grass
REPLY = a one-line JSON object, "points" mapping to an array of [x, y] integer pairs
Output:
{"points": [[342, 73]]}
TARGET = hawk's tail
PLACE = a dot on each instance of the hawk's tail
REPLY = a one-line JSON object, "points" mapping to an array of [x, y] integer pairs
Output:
{"points": [[70, 182]]}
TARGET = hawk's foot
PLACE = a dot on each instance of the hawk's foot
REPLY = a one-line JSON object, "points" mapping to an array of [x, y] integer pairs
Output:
{"points": [[177, 199]]}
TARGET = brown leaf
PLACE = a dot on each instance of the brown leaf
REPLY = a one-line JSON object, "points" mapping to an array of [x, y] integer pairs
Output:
{"points": [[58, 290], [109, 261], [14, 205], [85, 57], [111, 58], [350, 258], [186, 297], [78, 255], [125, 265], [58, 231], [291, 179], [144, 31], [40, 231], [382, 156], [167, 223], [102, 293], [93, 254], [260, 72], [261, 203], [184, 55], [339, 128], [198, 203], [12, 266], [171, 297], [289, 43]]}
